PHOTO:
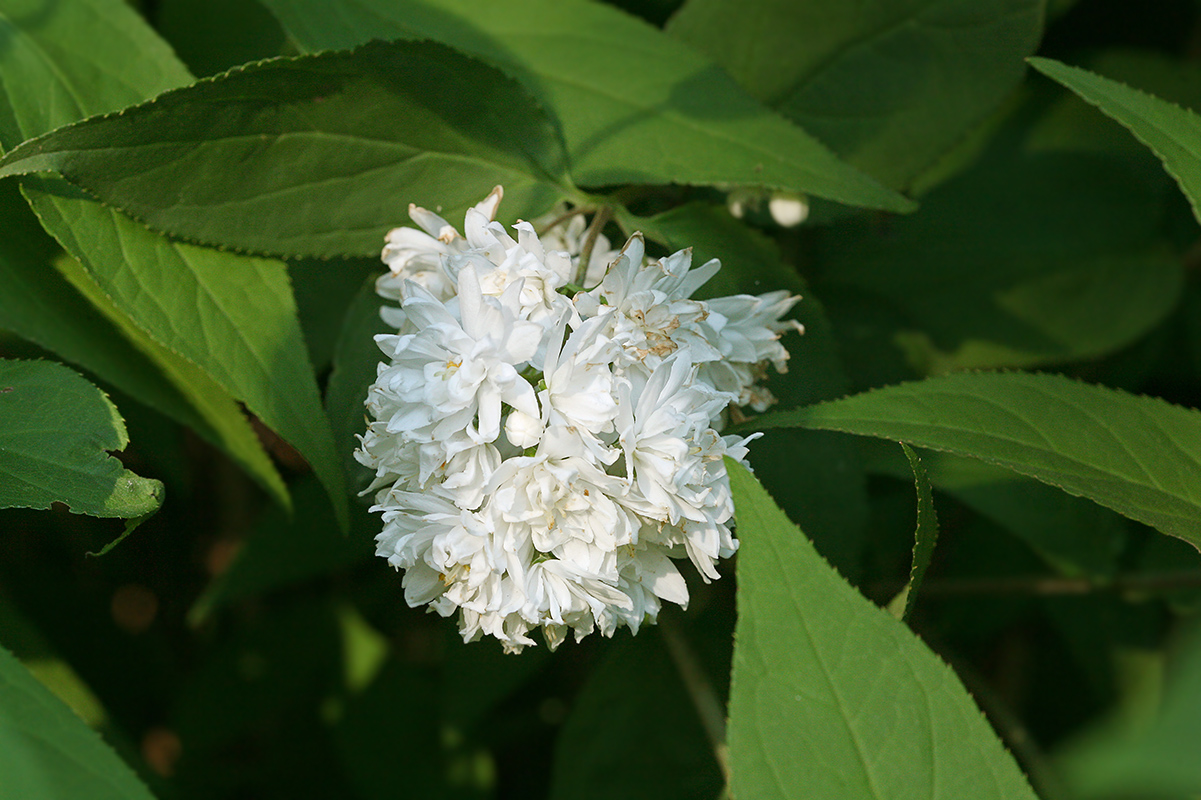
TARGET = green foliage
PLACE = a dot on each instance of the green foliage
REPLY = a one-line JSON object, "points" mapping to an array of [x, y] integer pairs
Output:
{"points": [[634, 106], [1170, 131], [891, 87], [634, 711], [831, 697], [232, 316], [1146, 757], [368, 124], [51, 299], [46, 752], [925, 534], [1075, 536], [1088, 274], [1136, 455], [56, 429], [206, 251]]}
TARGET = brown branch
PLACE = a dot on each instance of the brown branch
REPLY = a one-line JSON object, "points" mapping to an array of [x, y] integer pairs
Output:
{"points": [[1051, 585]]}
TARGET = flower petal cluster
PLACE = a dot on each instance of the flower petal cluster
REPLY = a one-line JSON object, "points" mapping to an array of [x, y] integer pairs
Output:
{"points": [[544, 455]]}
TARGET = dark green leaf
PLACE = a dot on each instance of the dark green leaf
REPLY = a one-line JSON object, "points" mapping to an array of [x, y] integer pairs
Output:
{"points": [[635, 106], [889, 86], [54, 430], [1172, 133], [1118, 759], [47, 753], [233, 317], [832, 697], [1140, 456], [213, 35], [634, 711], [312, 156], [324, 290], [1071, 534], [1019, 262]]}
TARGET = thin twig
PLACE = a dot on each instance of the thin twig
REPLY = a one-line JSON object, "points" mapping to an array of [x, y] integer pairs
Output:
{"points": [[700, 689], [598, 223], [566, 215], [1045, 585], [1041, 774]]}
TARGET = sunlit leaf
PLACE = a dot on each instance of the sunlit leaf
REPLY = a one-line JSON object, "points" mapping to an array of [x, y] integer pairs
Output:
{"points": [[232, 316], [831, 696], [634, 105], [62, 309], [1140, 456], [316, 155], [55, 431]]}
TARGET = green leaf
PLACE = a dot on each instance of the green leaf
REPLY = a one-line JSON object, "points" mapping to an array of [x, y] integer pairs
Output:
{"points": [[1172, 133], [832, 697], [1071, 123], [1140, 456], [1071, 534], [65, 311], [54, 430], [64, 62], [925, 535], [324, 290], [635, 106], [634, 711], [211, 36], [47, 752], [1157, 759], [889, 86], [309, 156], [221, 420], [356, 357], [1088, 274], [231, 316]]}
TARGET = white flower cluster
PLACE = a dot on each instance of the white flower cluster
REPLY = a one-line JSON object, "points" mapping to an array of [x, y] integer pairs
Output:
{"points": [[542, 453]]}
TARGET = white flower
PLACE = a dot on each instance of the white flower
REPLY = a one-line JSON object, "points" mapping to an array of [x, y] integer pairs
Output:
{"points": [[454, 374], [610, 400]]}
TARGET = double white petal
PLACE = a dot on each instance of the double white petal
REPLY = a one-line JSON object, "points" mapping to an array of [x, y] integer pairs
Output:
{"points": [[610, 400]]}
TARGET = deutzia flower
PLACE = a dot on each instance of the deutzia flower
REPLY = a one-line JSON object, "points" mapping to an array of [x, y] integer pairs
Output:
{"points": [[543, 455]]}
